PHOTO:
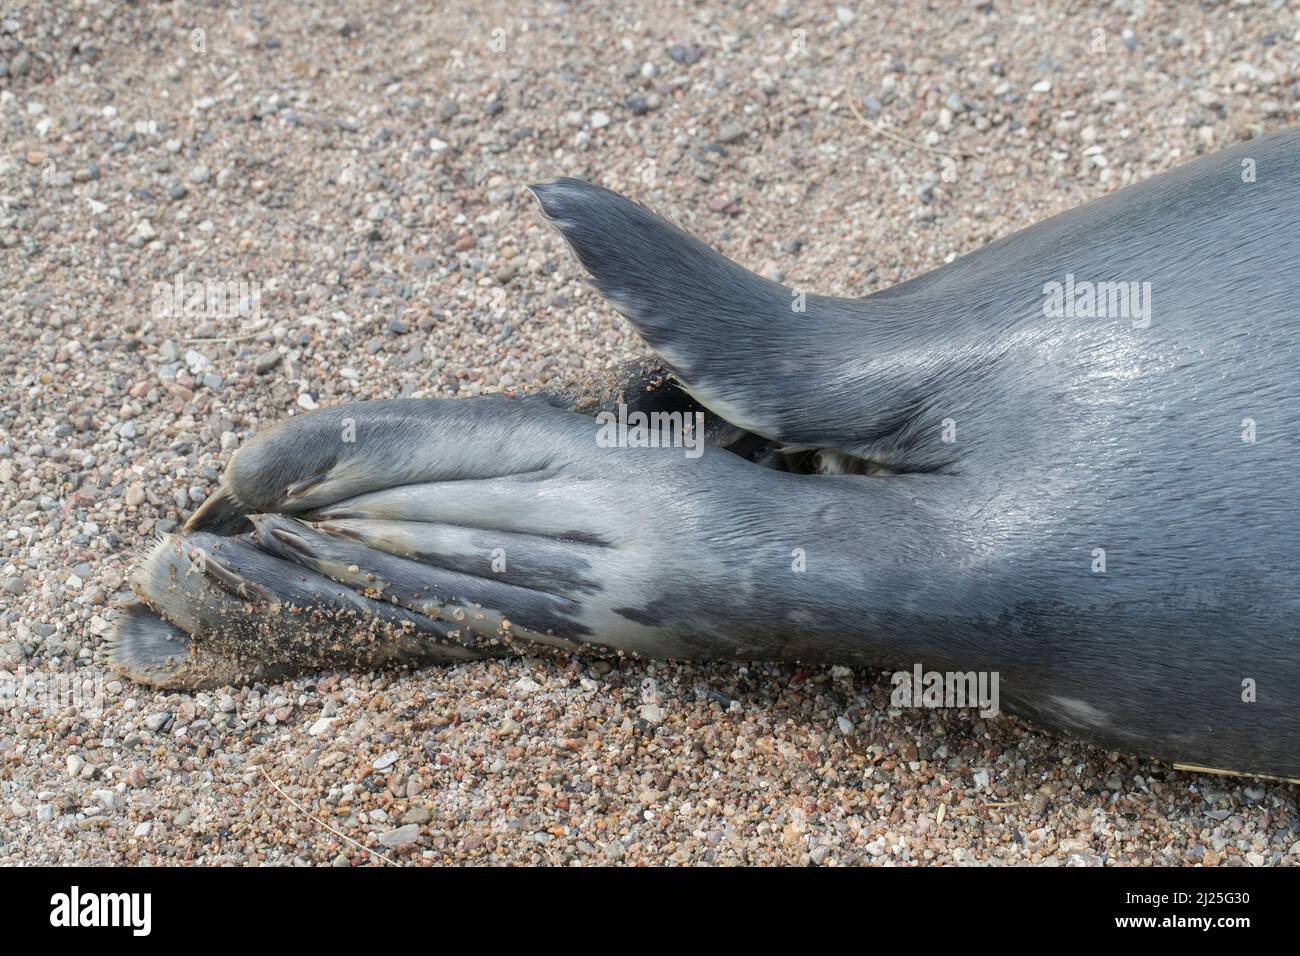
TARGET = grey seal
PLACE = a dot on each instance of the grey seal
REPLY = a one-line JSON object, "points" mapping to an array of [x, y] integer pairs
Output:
{"points": [[1068, 458]]}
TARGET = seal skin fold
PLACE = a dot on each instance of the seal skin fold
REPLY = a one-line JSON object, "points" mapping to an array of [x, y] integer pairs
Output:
{"points": [[1002, 465]]}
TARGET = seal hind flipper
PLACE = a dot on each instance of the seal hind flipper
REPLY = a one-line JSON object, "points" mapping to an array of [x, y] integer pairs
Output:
{"points": [[443, 489]]}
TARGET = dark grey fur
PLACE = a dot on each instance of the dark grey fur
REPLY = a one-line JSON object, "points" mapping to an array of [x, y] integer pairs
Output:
{"points": [[1072, 434]]}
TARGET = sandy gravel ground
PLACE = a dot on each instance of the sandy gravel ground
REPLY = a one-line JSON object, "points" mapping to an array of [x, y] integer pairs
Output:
{"points": [[361, 163]]}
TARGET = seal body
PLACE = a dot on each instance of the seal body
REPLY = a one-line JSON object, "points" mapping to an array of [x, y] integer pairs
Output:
{"points": [[1068, 458]]}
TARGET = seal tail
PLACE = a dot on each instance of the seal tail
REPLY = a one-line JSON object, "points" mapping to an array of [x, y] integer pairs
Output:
{"points": [[803, 370], [695, 307]]}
